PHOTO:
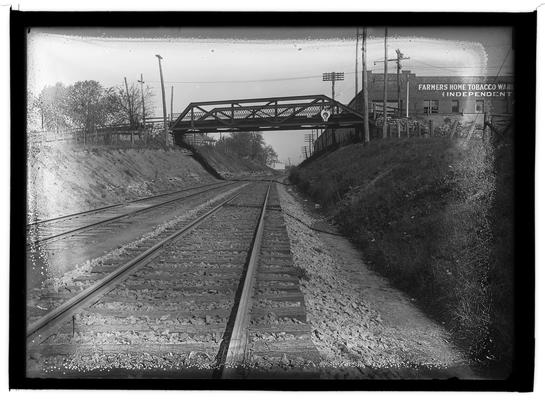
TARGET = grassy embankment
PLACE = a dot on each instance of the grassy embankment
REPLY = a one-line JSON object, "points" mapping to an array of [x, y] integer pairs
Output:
{"points": [[435, 217]]}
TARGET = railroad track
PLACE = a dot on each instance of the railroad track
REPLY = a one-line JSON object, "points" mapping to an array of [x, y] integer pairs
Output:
{"points": [[64, 226], [218, 297]]}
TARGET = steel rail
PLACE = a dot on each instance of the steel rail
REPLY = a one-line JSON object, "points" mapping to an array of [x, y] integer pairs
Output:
{"points": [[42, 328], [238, 339], [43, 221], [108, 220]]}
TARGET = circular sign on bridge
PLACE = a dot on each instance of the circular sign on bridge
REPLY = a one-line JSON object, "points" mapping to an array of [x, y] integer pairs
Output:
{"points": [[326, 113]]}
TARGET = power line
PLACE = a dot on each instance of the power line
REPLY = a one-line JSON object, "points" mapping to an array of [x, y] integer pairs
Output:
{"points": [[293, 78], [247, 80], [501, 66], [453, 68]]}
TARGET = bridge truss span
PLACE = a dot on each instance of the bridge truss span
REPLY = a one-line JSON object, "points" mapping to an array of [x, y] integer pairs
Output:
{"points": [[266, 114]]}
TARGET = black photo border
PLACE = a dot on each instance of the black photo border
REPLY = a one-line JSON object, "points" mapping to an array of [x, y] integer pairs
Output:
{"points": [[524, 44]]}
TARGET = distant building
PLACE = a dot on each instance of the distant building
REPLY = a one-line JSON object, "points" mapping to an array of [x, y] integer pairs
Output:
{"points": [[439, 99], [425, 96]]}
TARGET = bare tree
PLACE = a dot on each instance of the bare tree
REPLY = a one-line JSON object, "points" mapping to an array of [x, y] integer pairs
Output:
{"points": [[127, 109]]}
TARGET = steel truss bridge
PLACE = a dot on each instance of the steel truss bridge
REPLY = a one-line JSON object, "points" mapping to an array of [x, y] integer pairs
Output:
{"points": [[265, 114]]}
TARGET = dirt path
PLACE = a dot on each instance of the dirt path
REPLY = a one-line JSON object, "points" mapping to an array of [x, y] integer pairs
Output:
{"points": [[363, 327]]}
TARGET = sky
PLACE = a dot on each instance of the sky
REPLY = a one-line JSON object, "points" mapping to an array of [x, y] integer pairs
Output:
{"points": [[229, 63]]}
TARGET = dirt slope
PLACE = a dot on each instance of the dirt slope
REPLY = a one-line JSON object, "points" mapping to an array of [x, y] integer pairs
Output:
{"points": [[63, 180]]}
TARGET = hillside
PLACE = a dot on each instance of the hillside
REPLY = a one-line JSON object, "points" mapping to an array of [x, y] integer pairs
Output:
{"points": [[63, 180], [434, 216]]}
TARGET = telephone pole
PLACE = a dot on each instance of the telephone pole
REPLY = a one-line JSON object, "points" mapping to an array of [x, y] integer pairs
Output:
{"points": [[309, 138], [398, 59], [128, 102], [333, 77], [164, 101], [407, 102], [141, 81], [385, 99], [357, 50], [171, 102], [364, 88]]}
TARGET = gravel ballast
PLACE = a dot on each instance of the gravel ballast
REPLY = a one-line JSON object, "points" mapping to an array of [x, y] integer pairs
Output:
{"points": [[362, 327]]}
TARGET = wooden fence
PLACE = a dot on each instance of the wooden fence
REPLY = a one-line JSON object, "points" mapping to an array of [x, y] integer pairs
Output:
{"points": [[117, 135], [487, 126]]}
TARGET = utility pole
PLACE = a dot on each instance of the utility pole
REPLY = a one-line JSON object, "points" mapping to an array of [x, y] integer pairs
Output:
{"points": [[164, 101], [309, 138], [399, 57], [364, 88], [397, 60], [407, 103], [332, 77], [42, 112], [171, 102], [357, 51], [128, 102], [385, 99], [141, 81]]}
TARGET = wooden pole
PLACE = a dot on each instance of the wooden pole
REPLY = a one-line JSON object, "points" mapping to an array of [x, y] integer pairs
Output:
{"points": [[128, 102], [143, 105], [165, 123], [407, 102], [365, 93], [171, 102], [385, 99], [357, 53], [398, 83]]}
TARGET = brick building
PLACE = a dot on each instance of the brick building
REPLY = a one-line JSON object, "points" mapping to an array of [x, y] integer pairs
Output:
{"points": [[443, 95], [439, 99]]}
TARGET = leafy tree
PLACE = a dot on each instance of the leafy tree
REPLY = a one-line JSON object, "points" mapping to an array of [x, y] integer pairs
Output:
{"points": [[270, 156], [249, 145], [87, 105], [50, 105]]}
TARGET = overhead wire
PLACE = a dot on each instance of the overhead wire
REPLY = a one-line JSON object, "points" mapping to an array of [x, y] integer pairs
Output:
{"points": [[454, 69]]}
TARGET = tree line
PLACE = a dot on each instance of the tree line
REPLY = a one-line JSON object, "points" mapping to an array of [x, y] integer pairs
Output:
{"points": [[248, 145], [87, 105]]}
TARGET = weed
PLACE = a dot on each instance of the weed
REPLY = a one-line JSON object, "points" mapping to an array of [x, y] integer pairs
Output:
{"points": [[435, 217]]}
